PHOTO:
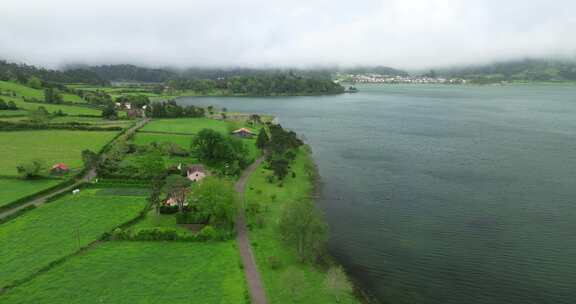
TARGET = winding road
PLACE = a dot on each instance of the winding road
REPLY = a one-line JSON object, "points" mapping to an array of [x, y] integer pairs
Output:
{"points": [[257, 293]]}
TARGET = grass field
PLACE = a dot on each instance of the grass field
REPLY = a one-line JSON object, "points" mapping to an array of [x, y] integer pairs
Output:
{"points": [[4, 113], [22, 90], [68, 109], [267, 242], [142, 138], [186, 125], [141, 272], [154, 220], [52, 146], [49, 233], [12, 189]]}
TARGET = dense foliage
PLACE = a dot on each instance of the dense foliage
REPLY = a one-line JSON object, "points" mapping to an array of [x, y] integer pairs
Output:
{"points": [[170, 109], [520, 70], [269, 85], [227, 152], [23, 73]]}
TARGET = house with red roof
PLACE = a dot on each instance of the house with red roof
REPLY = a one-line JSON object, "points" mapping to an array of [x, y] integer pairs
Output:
{"points": [[59, 168], [243, 132]]}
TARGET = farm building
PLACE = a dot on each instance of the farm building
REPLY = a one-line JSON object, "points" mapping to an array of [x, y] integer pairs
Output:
{"points": [[59, 168], [243, 132], [195, 173]]}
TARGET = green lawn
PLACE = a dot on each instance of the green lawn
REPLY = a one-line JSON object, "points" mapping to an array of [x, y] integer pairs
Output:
{"points": [[22, 90], [141, 272], [266, 241], [12, 189], [48, 233], [185, 125], [52, 146]]}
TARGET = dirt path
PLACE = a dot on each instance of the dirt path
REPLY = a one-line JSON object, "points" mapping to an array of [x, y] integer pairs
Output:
{"points": [[255, 286], [88, 176]]}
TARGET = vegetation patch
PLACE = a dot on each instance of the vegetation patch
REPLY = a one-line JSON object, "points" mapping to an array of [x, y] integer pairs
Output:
{"points": [[58, 229], [137, 272], [185, 125], [12, 189], [286, 278], [50, 146]]}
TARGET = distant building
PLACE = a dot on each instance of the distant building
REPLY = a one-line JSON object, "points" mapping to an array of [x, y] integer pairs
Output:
{"points": [[243, 132], [195, 173], [59, 168]]}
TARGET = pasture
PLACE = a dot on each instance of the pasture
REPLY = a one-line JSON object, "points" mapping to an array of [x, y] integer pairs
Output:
{"points": [[60, 228], [12, 189], [185, 125], [22, 90], [68, 109], [52, 146], [143, 138], [141, 272]]}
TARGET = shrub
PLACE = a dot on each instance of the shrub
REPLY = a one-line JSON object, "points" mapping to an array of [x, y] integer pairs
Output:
{"points": [[168, 209], [207, 233], [156, 234]]}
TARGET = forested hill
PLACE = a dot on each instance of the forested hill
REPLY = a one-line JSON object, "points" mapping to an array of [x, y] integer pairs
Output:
{"points": [[518, 70], [267, 85], [23, 72]]}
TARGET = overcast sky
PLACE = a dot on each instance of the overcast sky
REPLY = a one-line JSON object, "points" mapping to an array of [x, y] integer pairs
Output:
{"points": [[182, 33]]}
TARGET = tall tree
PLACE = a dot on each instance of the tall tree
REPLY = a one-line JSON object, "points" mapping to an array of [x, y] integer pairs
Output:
{"points": [[337, 283], [302, 226], [262, 139], [216, 199]]}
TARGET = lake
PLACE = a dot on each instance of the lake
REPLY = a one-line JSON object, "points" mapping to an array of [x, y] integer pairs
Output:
{"points": [[444, 194]]}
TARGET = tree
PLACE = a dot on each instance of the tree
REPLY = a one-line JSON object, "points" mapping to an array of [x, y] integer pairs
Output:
{"points": [[52, 96], [177, 187], [216, 199], [279, 166], [262, 139], [34, 82], [337, 283], [3, 105], [110, 112], [151, 165], [301, 225], [90, 158], [40, 115], [33, 169]]}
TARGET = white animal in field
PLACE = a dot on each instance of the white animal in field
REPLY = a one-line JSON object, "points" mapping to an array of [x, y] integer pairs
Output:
{"points": [[75, 191]]}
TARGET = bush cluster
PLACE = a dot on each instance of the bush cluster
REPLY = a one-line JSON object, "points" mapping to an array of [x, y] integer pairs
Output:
{"points": [[208, 233]]}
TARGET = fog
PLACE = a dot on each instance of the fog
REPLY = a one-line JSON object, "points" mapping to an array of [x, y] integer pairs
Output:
{"points": [[284, 33]]}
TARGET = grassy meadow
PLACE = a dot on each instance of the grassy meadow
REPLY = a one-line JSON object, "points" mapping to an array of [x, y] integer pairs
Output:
{"points": [[68, 109], [49, 233], [22, 90], [12, 189], [141, 272], [143, 138], [266, 241], [185, 125], [52, 146]]}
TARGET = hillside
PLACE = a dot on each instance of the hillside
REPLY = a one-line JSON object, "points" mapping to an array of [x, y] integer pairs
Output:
{"points": [[527, 70]]}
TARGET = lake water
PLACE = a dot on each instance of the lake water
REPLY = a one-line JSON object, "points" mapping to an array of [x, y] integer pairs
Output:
{"points": [[445, 194]]}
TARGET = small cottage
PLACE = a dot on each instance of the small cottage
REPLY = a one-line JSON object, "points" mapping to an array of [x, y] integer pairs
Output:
{"points": [[243, 132], [195, 173], [59, 168]]}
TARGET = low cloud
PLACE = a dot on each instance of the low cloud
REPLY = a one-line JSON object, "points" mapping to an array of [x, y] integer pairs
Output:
{"points": [[296, 33]]}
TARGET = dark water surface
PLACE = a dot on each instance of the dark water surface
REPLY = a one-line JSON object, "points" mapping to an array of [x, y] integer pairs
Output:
{"points": [[445, 194]]}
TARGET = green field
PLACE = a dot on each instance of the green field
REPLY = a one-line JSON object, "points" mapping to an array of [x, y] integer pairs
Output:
{"points": [[4, 113], [186, 125], [12, 189], [22, 90], [141, 272], [142, 138], [267, 242], [162, 221], [52, 231], [68, 109], [52, 146]]}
